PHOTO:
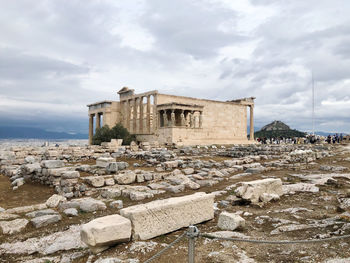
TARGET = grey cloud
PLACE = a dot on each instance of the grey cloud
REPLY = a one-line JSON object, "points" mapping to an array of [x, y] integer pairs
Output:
{"points": [[190, 27]]}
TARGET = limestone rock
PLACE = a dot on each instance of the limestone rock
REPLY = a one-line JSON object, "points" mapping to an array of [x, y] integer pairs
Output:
{"points": [[55, 200], [116, 204], [13, 227], [45, 220], [7, 216], [163, 216], [188, 171], [26, 209], [102, 232], [91, 205], [41, 213], [137, 196], [299, 187], [32, 167], [52, 164], [125, 178], [66, 240], [70, 174], [71, 212], [103, 162], [230, 221], [95, 181], [253, 190]]}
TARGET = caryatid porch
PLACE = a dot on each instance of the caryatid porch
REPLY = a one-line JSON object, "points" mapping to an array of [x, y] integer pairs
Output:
{"points": [[180, 115]]}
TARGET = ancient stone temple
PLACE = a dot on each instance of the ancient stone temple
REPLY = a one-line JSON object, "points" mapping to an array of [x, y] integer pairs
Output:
{"points": [[169, 119]]}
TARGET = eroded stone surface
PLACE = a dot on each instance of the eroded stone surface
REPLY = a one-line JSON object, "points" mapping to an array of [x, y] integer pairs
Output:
{"points": [[163, 216]]}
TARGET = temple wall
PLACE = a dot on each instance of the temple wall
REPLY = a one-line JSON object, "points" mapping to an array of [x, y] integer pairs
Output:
{"points": [[223, 123]]}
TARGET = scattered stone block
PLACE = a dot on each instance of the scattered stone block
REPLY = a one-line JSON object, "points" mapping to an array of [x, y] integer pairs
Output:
{"points": [[95, 181], [116, 204], [137, 196], [55, 200], [13, 227], [91, 205], [230, 221], [103, 232], [253, 190], [70, 174], [45, 220], [109, 181], [126, 178], [52, 164], [163, 216], [71, 212], [41, 213], [103, 162]]}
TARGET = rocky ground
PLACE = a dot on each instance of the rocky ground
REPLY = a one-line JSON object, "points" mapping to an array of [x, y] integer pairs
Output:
{"points": [[47, 193]]}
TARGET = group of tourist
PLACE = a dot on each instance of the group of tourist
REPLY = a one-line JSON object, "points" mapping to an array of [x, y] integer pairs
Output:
{"points": [[313, 139], [334, 138]]}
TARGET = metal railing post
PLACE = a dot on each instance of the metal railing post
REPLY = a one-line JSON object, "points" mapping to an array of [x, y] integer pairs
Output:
{"points": [[191, 234]]}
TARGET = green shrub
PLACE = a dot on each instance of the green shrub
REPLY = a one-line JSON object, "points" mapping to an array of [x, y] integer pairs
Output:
{"points": [[105, 134]]}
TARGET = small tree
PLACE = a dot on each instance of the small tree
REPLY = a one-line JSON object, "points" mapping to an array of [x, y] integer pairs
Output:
{"points": [[119, 132], [102, 135], [105, 134]]}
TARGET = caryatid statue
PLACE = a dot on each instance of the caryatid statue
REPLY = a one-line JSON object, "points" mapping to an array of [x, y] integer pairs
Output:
{"points": [[182, 117], [172, 118]]}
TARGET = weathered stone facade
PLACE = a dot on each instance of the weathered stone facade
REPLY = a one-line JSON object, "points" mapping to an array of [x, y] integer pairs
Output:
{"points": [[169, 119]]}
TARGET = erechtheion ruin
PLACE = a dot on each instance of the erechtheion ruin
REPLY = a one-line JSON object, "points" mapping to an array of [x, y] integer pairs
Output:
{"points": [[169, 119]]}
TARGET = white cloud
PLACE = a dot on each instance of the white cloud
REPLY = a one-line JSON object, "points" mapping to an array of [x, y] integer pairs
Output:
{"points": [[58, 56]]}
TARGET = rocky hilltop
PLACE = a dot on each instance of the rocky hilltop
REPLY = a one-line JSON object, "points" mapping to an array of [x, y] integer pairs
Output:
{"points": [[278, 129], [275, 126]]}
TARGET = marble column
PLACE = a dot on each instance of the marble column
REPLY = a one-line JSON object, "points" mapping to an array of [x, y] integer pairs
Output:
{"points": [[135, 117], [200, 119], [148, 117], [127, 115], [91, 127], [155, 115], [251, 122], [141, 116], [98, 120]]}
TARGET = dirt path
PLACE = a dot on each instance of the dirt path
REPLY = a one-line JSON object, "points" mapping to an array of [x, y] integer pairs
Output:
{"points": [[27, 194]]}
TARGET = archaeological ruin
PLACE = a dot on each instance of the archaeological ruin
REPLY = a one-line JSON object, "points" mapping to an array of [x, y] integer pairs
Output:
{"points": [[170, 119]]}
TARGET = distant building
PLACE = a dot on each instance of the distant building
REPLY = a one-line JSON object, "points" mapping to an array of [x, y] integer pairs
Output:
{"points": [[169, 119]]}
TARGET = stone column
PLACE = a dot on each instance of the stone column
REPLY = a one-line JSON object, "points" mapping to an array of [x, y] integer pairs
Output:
{"points": [[127, 115], [200, 119], [165, 119], [251, 122], [155, 117], [98, 120], [148, 117], [141, 115], [182, 117], [135, 117], [172, 117], [91, 127]]}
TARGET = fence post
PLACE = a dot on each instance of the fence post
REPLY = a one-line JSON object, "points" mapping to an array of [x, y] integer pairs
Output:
{"points": [[191, 234]]}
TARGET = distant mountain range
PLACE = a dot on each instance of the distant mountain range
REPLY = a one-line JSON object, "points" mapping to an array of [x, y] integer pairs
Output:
{"points": [[13, 132]]}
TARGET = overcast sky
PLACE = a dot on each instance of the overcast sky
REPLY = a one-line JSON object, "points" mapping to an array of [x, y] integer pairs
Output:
{"points": [[57, 56]]}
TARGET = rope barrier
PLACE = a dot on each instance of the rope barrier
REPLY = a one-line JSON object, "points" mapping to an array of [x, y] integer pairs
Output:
{"points": [[166, 248], [281, 242], [193, 232]]}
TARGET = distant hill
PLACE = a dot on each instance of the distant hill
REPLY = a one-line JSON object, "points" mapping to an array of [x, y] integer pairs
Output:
{"points": [[278, 129], [36, 133]]}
